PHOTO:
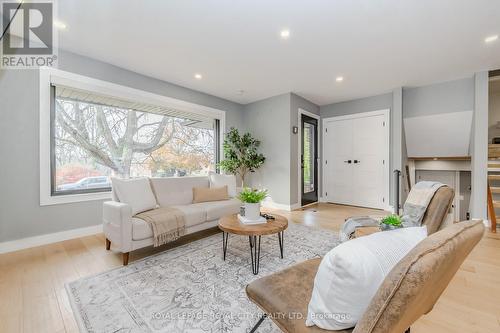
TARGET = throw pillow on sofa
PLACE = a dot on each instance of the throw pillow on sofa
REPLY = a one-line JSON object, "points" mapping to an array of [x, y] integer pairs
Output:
{"points": [[218, 180], [351, 273], [205, 194], [135, 192]]}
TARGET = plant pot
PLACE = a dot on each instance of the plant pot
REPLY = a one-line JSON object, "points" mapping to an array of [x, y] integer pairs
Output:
{"points": [[387, 227], [252, 211]]}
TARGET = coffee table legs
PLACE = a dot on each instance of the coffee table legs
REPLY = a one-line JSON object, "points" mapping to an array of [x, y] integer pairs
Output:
{"points": [[255, 253], [254, 242], [281, 240], [225, 237]]}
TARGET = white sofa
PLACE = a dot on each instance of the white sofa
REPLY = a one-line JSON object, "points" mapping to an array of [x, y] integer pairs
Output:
{"points": [[128, 233]]}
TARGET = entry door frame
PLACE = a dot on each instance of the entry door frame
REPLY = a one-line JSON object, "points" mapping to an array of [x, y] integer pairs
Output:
{"points": [[299, 152], [386, 154]]}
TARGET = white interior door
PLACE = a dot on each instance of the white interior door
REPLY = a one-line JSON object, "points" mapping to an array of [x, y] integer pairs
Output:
{"points": [[368, 161], [356, 152], [338, 159]]}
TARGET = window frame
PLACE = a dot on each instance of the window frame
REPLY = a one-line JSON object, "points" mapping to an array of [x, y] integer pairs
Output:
{"points": [[48, 77]]}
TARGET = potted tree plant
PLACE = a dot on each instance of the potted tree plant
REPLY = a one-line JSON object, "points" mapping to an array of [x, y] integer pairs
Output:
{"points": [[240, 154], [252, 198]]}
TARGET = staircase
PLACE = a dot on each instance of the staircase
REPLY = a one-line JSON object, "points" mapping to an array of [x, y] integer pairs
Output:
{"points": [[493, 192]]}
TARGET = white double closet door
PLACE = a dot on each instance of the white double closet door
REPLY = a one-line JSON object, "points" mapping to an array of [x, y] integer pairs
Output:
{"points": [[356, 159]]}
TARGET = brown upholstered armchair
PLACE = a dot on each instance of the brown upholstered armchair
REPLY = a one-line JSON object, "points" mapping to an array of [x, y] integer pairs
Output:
{"points": [[434, 216], [409, 291]]}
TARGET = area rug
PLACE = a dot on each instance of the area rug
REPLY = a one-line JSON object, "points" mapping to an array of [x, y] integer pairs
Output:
{"points": [[190, 288]]}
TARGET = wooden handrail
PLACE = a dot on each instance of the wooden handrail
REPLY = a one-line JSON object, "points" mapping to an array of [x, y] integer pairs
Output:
{"points": [[491, 211]]}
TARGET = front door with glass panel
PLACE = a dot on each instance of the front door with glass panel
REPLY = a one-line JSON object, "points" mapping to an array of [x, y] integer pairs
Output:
{"points": [[309, 155]]}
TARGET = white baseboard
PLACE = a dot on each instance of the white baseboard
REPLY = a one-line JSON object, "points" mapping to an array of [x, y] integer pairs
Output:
{"points": [[486, 223], [274, 205], [25, 243]]}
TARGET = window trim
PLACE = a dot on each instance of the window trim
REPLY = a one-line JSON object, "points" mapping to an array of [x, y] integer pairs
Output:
{"points": [[51, 76]]}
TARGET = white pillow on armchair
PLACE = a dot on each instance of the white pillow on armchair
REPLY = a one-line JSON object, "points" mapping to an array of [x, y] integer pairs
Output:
{"points": [[135, 192], [351, 273], [218, 180]]}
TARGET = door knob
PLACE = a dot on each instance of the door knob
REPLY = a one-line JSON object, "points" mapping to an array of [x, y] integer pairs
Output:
{"points": [[348, 161]]}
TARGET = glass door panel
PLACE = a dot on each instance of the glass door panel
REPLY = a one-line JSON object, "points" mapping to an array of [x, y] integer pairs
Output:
{"points": [[309, 155]]}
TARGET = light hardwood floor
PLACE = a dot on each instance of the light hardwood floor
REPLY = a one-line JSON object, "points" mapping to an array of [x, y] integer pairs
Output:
{"points": [[33, 298]]}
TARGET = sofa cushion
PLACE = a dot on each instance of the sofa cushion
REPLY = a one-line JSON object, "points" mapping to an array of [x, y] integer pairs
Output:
{"points": [[140, 229], [350, 274], [177, 190], [135, 192], [203, 194], [194, 214], [217, 209], [218, 180]]}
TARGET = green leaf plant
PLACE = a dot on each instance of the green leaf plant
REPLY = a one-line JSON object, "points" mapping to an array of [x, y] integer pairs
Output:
{"points": [[249, 195], [392, 220]]}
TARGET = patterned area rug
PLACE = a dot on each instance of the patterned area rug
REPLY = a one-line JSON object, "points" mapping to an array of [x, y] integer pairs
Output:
{"points": [[190, 288]]}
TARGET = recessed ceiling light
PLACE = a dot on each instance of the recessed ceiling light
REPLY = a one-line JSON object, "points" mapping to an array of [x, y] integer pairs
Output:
{"points": [[198, 76], [60, 25], [490, 39], [339, 79], [285, 34]]}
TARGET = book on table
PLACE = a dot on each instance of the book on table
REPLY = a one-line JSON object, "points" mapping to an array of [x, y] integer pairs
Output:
{"points": [[246, 220]]}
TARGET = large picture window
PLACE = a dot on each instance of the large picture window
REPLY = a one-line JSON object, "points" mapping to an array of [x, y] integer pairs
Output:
{"points": [[95, 137]]}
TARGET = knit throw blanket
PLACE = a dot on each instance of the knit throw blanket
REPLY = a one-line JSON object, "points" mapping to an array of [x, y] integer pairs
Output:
{"points": [[413, 210], [416, 204], [168, 224]]}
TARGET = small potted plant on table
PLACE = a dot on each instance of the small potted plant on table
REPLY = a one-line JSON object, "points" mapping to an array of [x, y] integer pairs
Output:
{"points": [[391, 222], [251, 199]]}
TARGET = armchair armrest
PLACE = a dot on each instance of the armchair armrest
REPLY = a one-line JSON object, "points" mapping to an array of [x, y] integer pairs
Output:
{"points": [[365, 231]]}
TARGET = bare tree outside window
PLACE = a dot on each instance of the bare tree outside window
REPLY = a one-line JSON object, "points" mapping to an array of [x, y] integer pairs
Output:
{"points": [[94, 142]]}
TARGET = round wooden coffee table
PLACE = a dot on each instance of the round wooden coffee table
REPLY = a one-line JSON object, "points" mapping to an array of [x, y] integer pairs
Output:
{"points": [[231, 225]]}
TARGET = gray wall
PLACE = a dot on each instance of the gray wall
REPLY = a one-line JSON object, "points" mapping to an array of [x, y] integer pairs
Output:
{"points": [[366, 104], [446, 97], [268, 120], [20, 212], [271, 121]]}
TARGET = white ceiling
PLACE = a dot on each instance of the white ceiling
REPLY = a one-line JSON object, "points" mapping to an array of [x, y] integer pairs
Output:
{"points": [[235, 45]]}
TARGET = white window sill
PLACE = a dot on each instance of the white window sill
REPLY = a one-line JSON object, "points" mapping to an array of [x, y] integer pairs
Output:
{"points": [[72, 198]]}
